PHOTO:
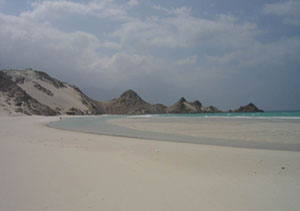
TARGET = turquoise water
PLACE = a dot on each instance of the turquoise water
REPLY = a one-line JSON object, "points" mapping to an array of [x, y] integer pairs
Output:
{"points": [[262, 115], [101, 125]]}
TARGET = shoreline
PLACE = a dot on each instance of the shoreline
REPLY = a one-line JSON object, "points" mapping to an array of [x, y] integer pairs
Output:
{"points": [[137, 133], [49, 169]]}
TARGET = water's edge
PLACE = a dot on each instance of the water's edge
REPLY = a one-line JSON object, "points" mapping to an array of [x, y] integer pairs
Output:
{"points": [[105, 128]]}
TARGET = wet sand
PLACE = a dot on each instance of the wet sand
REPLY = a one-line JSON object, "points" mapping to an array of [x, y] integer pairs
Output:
{"points": [[278, 134]]}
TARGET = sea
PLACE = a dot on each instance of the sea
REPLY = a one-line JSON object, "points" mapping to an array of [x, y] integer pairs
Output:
{"points": [[257, 115], [102, 125]]}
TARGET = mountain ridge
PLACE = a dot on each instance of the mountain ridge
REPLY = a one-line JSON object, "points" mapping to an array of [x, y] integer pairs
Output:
{"points": [[32, 92]]}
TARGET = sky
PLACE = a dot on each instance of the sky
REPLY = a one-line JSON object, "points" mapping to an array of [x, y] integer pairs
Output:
{"points": [[222, 53]]}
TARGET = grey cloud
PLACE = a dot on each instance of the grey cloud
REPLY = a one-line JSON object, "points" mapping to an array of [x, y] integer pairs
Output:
{"points": [[221, 55], [289, 10], [46, 10], [2, 2], [133, 3], [188, 31], [272, 55]]}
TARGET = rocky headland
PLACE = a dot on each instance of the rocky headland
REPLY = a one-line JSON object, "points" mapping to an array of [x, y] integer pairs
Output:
{"points": [[247, 108]]}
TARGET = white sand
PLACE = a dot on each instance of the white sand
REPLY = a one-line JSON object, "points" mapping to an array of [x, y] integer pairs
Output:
{"points": [[252, 130], [48, 169], [63, 98]]}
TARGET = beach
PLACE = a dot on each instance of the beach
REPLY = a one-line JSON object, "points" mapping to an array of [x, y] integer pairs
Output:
{"points": [[247, 132], [43, 168]]}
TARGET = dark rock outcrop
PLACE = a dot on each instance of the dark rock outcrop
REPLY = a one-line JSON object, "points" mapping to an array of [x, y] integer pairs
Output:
{"points": [[74, 111], [43, 89], [159, 108], [248, 108], [213, 109], [45, 77]]}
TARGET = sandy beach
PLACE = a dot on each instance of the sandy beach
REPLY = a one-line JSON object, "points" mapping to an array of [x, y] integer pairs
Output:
{"points": [[267, 133], [43, 168]]}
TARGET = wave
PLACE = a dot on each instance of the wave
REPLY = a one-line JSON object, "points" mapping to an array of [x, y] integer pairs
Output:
{"points": [[144, 116]]}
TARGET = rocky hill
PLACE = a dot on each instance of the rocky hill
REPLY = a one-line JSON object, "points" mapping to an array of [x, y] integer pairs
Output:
{"points": [[15, 100], [248, 108], [33, 92], [130, 103], [183, 106]]}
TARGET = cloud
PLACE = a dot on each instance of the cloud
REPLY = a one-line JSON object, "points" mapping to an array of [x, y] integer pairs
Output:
{"points": [[187, 61], [2, 2], [269, 56], [289, 10], [47, 10], [112, 45], [177, 11], [133, 3], [182, 30], [171, 53], [26, 44]]}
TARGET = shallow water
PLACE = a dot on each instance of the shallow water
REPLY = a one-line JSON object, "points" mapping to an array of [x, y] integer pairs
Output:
{"points": [[266, 132]]}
